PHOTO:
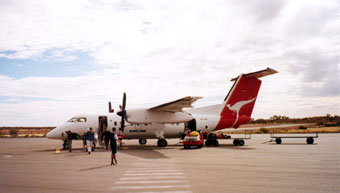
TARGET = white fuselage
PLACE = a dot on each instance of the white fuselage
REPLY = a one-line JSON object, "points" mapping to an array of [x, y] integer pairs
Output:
{"points": [[206, 119]]}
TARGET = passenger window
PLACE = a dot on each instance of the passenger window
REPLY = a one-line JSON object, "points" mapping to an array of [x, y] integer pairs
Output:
{"points": [[115, 123]]}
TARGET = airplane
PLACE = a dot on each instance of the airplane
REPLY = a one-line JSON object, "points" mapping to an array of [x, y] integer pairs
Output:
{"points": [[173, 119]]}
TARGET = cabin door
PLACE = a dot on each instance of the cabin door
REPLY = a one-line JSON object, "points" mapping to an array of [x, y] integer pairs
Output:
{"points": [[102, 124]]}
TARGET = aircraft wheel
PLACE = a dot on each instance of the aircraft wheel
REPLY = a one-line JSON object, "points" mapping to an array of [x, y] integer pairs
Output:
{"points": [[278, 140], [142, 141], [241, 142], [162, 143], [310, 140], [236, 142]]}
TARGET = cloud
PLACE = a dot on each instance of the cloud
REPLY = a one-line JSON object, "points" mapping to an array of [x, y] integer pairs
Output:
{"points": [[159, 51]]}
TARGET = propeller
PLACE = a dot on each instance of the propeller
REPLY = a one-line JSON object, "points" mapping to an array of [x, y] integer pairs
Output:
{"points": [[110, 108], [122, 112]]}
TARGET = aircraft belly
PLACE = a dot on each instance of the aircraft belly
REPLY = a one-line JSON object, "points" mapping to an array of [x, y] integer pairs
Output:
{"points": [[169, 131]]}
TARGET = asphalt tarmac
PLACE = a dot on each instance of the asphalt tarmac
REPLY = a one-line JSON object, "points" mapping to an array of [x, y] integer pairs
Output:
{"points": [[33, 165]]}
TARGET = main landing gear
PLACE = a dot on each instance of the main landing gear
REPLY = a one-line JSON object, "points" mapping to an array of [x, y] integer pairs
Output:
{"points": [[162, 143], [142, 141], [238, 142]]}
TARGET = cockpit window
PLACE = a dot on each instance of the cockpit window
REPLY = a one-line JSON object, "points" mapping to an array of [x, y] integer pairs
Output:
{"points": [[81, 119], [74, 119], [77, 119]]}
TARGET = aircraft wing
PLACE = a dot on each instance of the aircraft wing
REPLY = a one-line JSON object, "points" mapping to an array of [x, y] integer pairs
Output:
{"points": [[175, 106]]}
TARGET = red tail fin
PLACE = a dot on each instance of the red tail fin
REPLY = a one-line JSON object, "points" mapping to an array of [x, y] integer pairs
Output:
{"points": [[239, 103]]}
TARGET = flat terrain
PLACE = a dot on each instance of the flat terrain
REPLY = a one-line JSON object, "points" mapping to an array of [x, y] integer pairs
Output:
{"points": [[33, 165]]}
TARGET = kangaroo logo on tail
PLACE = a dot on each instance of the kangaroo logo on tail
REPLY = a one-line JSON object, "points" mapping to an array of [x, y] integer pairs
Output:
{"points": [[237, 106]]}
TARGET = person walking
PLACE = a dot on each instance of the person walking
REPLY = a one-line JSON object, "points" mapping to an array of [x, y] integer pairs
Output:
{"points": [[89, 140], [84, 141], [113, 144], [69, 140], [106, 138]]}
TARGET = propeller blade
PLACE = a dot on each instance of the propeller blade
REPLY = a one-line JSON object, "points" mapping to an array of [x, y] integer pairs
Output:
{"points": [[122, 124], [110, 108], [124, 101], [122, 112]]}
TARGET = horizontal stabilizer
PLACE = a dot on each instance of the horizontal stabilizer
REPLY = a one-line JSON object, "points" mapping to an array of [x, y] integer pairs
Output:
{"points": [[259, 74]]}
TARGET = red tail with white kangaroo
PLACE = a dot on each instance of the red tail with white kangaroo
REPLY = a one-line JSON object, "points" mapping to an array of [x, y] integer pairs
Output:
{"points": [[239, 103]]}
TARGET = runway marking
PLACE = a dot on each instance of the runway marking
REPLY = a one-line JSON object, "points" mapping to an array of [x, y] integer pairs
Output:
{"points": [[152, 174], [169, 192], [152, 177], [150, 182], [151, 187], [151, 171], [155, 165]]}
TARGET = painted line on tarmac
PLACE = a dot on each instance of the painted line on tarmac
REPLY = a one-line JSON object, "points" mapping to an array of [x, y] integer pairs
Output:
{"points": [[152, 177], [151, 187], [151, 171], [155, 165], [167, 192], [153, 174], [150, 182]]}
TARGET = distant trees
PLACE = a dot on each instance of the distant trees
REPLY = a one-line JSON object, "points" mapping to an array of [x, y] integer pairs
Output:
{"points": [[320, 120], [13, 132]]}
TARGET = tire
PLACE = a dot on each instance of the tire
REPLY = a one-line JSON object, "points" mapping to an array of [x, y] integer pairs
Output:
{"points": [[216, 143], [310, 140], [241, 142], [162, 143], [278, 140], [185, 147], [142, 141], [236, 142], [200, 146], [207, 143]]}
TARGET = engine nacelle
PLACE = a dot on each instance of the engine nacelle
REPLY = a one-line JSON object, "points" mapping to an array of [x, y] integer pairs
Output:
{"points": [[144, 116]]}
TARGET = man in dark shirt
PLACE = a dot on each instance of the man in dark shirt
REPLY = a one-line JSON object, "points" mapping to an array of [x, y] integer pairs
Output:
{"points": [[106, 139]]}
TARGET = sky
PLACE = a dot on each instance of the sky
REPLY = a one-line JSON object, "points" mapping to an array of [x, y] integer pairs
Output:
{"points": [[62, 58]]}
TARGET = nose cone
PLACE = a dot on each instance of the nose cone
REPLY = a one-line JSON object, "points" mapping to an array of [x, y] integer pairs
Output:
{"points": [[54, 134]]}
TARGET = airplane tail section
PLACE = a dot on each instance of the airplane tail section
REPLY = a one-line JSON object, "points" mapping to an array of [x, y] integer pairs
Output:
{"points": [[238, 105]]}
